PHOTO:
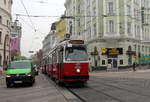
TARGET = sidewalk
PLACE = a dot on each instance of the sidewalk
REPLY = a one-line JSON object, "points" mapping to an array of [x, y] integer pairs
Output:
{"points": [[138, 68], [2, 79]]}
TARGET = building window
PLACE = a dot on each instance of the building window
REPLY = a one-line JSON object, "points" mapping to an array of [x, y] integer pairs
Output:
{"points": [[79, 9], [138, 31], [94, 12], [121, 62], [142, 48], [79, 33], [0, 19], [0, 60], [110, 8], [111, 26], [94, 29], [139, 49], [7, 22], [135, 47], [79, 24], [0, 37], [135, 27], [128, 10], [146, 49], [129, 28], [103, 62]]}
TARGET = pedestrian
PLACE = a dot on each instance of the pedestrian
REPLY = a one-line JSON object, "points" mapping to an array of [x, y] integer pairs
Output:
{"points": [[134, 65]]}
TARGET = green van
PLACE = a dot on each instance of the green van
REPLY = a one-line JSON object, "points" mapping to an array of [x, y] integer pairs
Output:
{"points": [[21, 71]]}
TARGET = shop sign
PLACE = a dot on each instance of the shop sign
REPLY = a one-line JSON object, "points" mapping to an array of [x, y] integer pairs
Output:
{"points": [[112, 51]]}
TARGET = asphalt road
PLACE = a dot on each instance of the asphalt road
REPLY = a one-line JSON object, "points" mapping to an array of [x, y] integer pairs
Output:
{"points": [[116, 87], [102, 87], [41, 91]]}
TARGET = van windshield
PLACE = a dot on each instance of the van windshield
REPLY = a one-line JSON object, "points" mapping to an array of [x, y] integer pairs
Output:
{"points": [[19, 65]]}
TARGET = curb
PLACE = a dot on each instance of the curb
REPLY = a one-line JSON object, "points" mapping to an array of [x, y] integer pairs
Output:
{"points": [[2, 79]]}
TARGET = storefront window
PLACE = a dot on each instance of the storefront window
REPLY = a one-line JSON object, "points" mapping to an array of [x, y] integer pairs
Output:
{"points": [[103, 62], [121, 62]]}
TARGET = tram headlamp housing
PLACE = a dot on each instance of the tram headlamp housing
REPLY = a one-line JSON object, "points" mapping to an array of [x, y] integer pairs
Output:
{"points": [[78, 70]]}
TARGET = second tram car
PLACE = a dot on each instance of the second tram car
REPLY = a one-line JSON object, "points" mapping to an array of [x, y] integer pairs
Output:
{"points": [[69, 62]]}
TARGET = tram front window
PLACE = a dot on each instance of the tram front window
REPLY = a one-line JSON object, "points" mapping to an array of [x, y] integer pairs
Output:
{"points": [[76, 54]]}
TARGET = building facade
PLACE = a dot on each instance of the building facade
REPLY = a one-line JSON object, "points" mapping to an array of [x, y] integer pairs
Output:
{"points": [[15, 39], [61, 29], [5, 29], [114, 30], [49, 41]]}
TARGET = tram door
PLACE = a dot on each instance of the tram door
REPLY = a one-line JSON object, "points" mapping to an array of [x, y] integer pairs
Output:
{"points": [[60, 62], [113, 62]]}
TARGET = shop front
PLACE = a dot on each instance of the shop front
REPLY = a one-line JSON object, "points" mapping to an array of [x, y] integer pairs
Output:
{"points": [[112, 56]]}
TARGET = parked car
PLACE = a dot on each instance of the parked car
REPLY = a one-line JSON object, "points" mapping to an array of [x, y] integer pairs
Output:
{"points": [[21, 71]]}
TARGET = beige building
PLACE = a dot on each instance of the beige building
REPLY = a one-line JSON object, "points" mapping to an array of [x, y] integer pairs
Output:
{"points": [[5, 29]]}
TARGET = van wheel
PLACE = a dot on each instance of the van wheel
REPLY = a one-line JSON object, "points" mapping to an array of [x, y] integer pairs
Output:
{"points": [[8, 85], [33, 81]]}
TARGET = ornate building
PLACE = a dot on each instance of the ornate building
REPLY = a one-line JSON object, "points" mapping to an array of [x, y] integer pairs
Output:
{"points": [[116, 31], [5, 29], [15, 39]]}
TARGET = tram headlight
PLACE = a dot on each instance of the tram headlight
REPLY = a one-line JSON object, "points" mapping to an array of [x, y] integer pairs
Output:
{"points": [[78, 70]]}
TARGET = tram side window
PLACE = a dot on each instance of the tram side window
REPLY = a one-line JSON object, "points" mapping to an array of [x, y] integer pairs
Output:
{"points": [[61, 55], [50, 60], [55, 58]]}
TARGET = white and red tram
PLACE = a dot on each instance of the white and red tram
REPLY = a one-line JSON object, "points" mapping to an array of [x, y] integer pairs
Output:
{"points": [[69, 62]]}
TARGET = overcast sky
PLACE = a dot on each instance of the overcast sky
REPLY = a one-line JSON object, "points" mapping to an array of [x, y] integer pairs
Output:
{"points": [[31, 39]]}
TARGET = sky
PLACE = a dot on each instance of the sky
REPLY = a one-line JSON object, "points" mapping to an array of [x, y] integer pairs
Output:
{"points": [[34, 29]]}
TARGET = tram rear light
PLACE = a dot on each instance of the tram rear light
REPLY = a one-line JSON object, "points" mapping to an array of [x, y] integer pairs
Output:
{"points": [[78, 70]]}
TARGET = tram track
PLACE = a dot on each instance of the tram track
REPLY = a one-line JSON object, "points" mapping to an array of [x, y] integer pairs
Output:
{"points": [[82, 93], [78, 96], [125, 90], [120, 88]]}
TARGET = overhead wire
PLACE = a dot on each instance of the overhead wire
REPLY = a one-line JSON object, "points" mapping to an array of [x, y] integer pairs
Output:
{"points": [[32, 24], [28, 15]]}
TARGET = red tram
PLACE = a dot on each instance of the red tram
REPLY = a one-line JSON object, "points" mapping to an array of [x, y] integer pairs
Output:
{"points": [[68, 62]]}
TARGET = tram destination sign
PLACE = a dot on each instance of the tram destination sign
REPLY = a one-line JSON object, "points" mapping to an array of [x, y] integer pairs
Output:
{"points": [[112, 51]]}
